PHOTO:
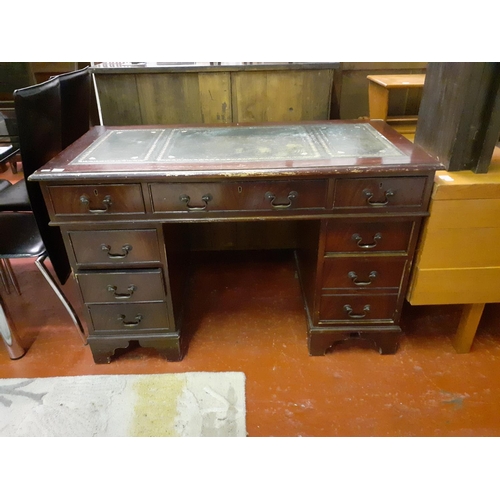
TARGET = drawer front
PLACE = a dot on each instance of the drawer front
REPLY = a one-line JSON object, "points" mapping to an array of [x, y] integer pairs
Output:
{"points": [[122, 286], [129, 318], [357, 308], [368, 236], [115, 247], [379, 192], [227, 196], [95, 200], [360, 273]]}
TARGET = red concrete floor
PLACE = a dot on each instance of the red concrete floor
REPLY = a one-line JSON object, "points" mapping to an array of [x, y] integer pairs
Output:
{"points": [[245, 313]]}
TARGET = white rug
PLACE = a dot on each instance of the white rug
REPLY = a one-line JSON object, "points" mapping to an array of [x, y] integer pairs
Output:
{"points": [[184, 404]]}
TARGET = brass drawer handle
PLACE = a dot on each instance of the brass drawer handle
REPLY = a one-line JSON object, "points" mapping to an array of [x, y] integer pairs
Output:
{"points": [[348, 309], [122, 296], [354, 277], [126, 250], [84, 200], [186, 199], [358, 239], [130, 324], [271, 197], [369, 196]]}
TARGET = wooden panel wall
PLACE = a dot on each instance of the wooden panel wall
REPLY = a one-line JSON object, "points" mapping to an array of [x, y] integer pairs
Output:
{"points": [[119, 100], [215, 97], [275, 96], [164, 98]]}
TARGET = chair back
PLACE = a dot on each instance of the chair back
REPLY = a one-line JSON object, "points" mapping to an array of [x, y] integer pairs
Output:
{"points": [[75, 88], [51, 116], [38, 112]]}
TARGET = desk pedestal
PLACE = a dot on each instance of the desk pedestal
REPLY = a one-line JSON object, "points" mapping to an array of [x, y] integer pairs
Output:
{"points": [[354, 193]]}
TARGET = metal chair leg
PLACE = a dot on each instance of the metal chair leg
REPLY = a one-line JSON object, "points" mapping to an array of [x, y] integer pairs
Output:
{"points": [[8, 335], [50, 280], [12, 276], [4, 277]]}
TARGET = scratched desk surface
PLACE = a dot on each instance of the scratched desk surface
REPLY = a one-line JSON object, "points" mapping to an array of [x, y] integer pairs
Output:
{"points": [[233, 144]]}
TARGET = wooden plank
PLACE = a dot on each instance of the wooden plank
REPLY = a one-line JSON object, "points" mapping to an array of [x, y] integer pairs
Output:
{"points": [[277, 96], [165, 98], [442, 104], [461, 101], [118, 99], [317, 88], [248, 104], [490, 134], [454, 286], [404, 125], [215, 97], [168, 98], [462, 214], [384, 67], [398, 81], [54, 67], [285, 93], [466, 184], [469, 321], [378, 101], [457, 248]]}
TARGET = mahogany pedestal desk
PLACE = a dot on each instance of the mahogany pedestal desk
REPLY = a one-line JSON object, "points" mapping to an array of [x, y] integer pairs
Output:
{"points": [[125, 198]]}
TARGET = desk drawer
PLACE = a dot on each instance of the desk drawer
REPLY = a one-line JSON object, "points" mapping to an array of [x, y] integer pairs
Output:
{"points": [[115, 247], [357, 308], [368, 236], [362, 273], [372, 193], [122, 286], [227, 196], [129, 318], [95, 200]]}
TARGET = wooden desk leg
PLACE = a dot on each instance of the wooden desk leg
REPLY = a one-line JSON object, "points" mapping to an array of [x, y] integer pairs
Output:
{"points": [[378, 101], [471, 315], [8, 334]]}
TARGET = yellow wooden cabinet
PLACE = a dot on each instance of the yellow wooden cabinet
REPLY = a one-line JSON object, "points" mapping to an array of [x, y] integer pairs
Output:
{"points": [[458, 260]]}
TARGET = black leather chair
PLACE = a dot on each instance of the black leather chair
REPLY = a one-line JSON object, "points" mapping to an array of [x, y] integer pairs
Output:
{"points": [[50, 116], [77, 110], [76, 115], [22, 239], [13, 75], [38, 111], [14, 197]]}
